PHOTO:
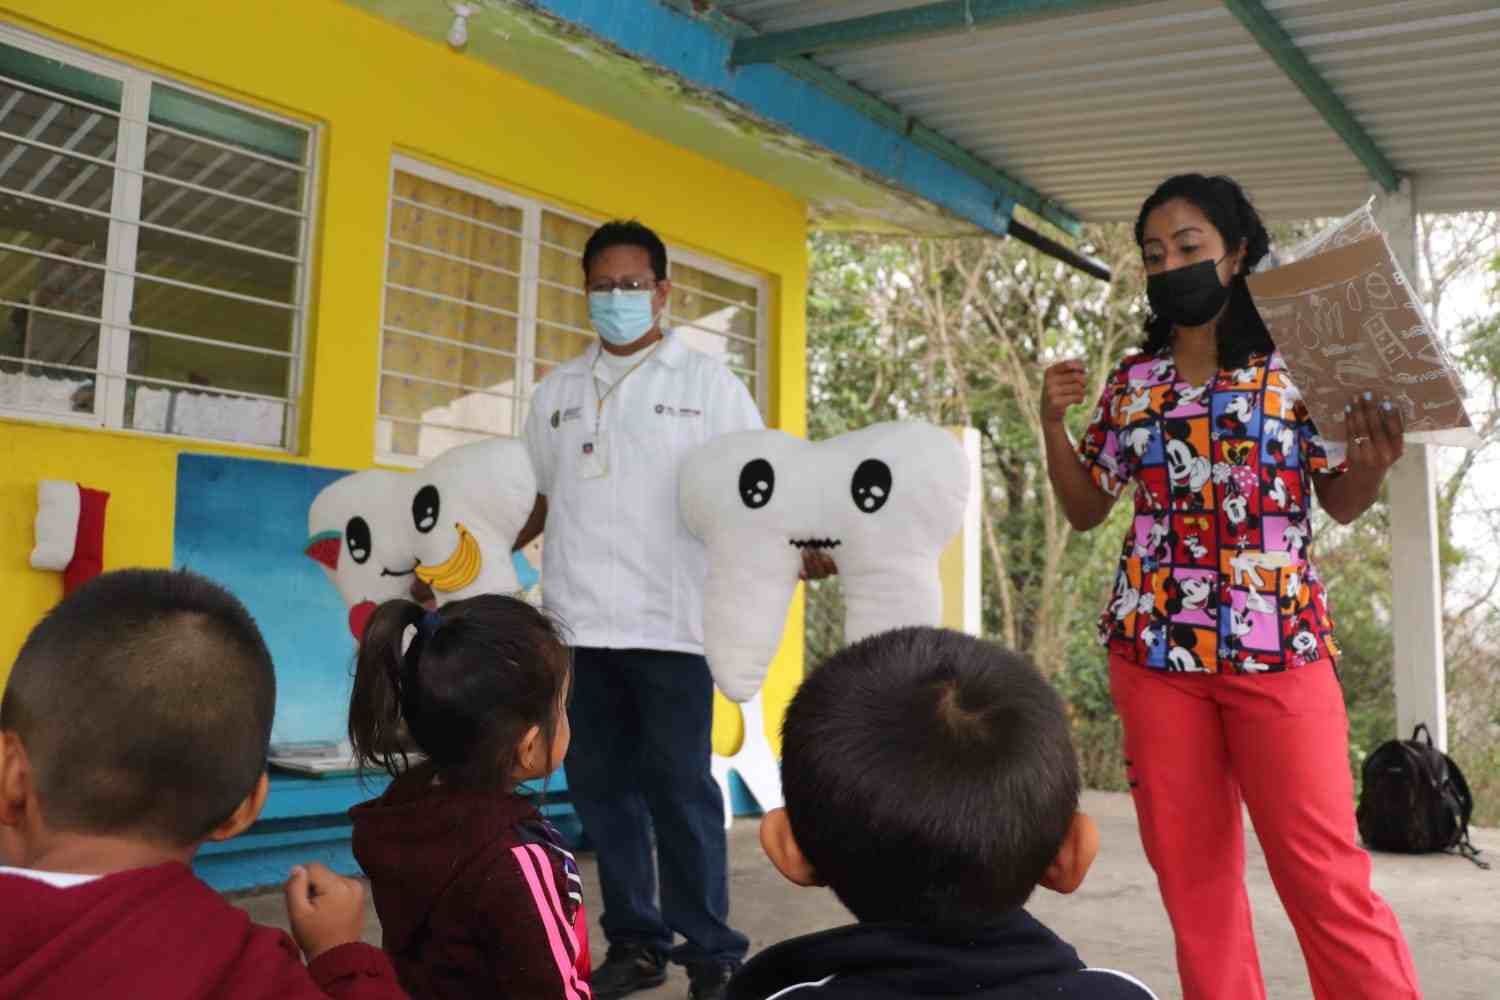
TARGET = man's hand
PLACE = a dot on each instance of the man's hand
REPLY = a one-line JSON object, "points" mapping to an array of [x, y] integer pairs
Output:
{"points": [[422, 593], [326, 910]]}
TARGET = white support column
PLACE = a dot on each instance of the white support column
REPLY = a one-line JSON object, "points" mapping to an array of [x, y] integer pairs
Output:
{"points": [[1416, 585]]}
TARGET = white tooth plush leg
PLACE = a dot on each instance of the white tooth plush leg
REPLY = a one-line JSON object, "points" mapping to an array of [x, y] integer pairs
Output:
{"points": [[887, 498], [753, 762], [895, 497], [746, 496], [488, 487], [719, 768]]}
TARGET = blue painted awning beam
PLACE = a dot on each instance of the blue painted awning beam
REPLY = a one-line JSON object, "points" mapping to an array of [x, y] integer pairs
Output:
{"points": [[830, 113]]}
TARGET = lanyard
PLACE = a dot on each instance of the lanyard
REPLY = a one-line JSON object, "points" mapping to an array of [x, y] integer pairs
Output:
{"points": [[599, 405]]}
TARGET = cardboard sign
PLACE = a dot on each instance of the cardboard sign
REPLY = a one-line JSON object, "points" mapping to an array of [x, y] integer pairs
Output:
{"points": [[1346, 322]]}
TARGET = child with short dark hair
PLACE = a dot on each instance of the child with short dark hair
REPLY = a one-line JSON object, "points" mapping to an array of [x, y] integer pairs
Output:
{"points": [[930, 782], [133, 729], [476, 894]]}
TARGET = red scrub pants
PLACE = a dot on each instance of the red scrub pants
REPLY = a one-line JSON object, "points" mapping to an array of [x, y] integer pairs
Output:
{"points": [[1197, 746]]}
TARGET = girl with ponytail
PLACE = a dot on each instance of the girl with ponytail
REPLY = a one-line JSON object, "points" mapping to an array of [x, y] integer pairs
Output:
{"points": [[475, 892], [1221, 649]]}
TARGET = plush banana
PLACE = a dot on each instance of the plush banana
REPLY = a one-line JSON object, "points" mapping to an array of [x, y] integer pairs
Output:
{"points": [[458, 570], [450, 524], [882, 502]]}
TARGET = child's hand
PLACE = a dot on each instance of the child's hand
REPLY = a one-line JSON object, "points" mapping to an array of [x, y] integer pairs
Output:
{"points": [[326, 910]]}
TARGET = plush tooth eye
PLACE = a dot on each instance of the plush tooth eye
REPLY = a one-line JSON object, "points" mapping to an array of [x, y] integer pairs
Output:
{"points": [[757, 483], [357, 537], [424, 508], [871, 485]]}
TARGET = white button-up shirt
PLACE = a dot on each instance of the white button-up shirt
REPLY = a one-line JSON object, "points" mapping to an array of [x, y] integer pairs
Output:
{"points": [[619, 566]]}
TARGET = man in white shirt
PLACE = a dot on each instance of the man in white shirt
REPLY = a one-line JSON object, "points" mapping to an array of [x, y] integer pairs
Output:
{"points": [[606, 432]]}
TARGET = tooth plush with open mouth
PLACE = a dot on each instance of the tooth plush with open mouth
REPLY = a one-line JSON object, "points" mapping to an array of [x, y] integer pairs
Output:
{"points": [[450, 525], [882, 502]]}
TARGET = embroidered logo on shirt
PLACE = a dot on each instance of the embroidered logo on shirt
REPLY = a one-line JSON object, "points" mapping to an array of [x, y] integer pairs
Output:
{"points": [[677, 411]]}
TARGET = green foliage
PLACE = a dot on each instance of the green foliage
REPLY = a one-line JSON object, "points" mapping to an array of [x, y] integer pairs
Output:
{"points": [[1354, 562]]}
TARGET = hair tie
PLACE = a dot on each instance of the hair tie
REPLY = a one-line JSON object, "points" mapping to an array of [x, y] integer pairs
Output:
{"points": [[430, 623]]}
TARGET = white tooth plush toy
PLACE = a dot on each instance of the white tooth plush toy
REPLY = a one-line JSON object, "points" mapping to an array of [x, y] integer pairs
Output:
{"points": [[882, 502], [450, 524]]}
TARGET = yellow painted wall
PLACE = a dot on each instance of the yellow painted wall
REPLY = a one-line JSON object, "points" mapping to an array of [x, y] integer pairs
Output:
{"points": [[376, 89]]}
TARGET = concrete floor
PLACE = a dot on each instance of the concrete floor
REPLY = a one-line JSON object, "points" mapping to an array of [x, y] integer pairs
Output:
{"points": [[1449, 909]]}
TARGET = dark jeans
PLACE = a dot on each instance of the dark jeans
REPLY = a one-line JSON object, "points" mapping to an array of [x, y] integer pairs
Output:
{"points": [[639, 761]]}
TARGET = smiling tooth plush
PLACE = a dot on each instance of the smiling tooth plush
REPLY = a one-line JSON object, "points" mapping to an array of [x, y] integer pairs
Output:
{"points": [[882, 502], [450, 525], [472, 505]]}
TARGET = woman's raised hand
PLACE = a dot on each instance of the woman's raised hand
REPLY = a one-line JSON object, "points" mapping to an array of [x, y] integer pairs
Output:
{"points": [[1065, 384]]}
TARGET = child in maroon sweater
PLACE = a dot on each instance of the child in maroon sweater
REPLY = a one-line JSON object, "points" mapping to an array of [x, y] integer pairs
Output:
{"points": [[134, 728], [475, 893]]}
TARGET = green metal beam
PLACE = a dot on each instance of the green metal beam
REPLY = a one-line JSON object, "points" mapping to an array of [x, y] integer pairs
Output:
{"points": [[1279, 46], [903, 25]]}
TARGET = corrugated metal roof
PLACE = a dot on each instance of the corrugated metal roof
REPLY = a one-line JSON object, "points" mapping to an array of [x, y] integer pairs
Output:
{"points": [[1094, 109]]}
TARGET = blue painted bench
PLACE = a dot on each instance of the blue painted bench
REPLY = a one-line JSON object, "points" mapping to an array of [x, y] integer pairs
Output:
{"points": [[307, 819]]}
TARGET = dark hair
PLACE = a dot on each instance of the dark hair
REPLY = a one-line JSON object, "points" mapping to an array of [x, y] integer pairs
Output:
{"points": [[929, 777], [478, 674], [1241, 332], [144, 701], [628, 233]]}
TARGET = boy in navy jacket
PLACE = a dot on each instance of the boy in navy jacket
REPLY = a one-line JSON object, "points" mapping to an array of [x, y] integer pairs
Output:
{"points": [[931, 783]]}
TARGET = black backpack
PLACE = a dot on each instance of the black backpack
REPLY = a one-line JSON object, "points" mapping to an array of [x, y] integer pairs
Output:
{"points": [[1415, 800]]}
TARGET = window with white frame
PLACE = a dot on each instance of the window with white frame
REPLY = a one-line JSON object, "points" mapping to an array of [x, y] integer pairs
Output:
{"points": [[153, 251], [484, 296]]}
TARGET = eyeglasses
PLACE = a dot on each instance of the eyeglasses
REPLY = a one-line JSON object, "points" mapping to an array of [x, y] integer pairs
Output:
{"points": [[623, 285]]}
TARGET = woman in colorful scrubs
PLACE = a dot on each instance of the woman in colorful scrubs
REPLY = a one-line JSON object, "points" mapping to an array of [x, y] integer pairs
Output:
{"points": [[1222, 654]]}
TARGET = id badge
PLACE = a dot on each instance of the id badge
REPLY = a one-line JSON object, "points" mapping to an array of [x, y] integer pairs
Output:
{"points": [[593, 464]]}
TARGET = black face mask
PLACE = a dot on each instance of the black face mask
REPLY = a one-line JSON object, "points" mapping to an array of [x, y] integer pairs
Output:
{"points": [[1187, 296]]}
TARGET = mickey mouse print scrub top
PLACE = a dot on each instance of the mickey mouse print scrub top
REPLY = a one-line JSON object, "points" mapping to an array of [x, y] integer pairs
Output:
{"points": [[1216, 575]]}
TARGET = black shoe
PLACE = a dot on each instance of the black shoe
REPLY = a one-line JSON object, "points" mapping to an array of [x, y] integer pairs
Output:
{"points": [[710, 980], [627, 968]]}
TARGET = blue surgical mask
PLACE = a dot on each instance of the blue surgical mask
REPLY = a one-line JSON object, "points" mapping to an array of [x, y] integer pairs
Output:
{"points": [[621, 317]]}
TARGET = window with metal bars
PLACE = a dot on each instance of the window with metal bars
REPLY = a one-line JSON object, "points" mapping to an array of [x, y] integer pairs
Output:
{"points": [[484, 297], [153, 251]]}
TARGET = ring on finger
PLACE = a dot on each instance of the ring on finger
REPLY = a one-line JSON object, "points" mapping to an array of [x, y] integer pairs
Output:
{"points": [[1361, 441]]}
